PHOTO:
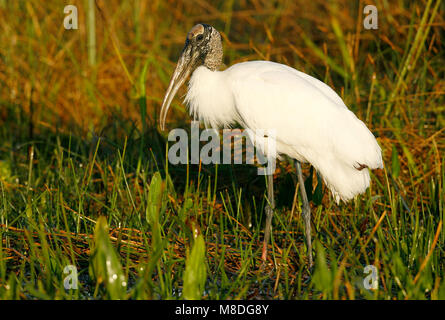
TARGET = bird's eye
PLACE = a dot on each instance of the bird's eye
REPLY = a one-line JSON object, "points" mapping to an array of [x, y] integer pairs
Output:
{"points": [[199, 37]]}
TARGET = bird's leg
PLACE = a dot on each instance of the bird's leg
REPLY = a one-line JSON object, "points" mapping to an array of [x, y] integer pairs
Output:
{"points": [[306, 210], [269, 214]]}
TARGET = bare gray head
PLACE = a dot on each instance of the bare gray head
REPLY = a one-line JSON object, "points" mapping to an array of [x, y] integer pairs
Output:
{"points": [[203, 46]]}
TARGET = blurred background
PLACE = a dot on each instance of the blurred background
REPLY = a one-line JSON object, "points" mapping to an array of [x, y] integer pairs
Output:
{"points": [[62, 91], [78, 77]]}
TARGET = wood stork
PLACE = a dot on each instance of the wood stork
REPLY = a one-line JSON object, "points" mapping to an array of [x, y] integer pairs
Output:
{"points": [[311, 122]]}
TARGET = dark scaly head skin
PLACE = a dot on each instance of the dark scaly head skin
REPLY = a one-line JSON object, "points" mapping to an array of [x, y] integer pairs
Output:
{"points": [[207, 41]]}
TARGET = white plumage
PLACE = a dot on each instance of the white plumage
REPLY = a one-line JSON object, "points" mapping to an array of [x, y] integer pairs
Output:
{"points": [[311, 121]]}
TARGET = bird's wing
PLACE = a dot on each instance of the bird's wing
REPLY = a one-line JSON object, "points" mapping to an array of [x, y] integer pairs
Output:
{"points": [[311, 121]]}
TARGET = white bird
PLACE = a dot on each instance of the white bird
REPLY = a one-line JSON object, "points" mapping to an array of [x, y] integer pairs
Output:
{"points": [[311, 122]]}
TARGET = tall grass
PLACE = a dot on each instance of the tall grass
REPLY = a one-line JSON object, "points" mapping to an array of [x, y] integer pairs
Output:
{"points": [[84, 179]]}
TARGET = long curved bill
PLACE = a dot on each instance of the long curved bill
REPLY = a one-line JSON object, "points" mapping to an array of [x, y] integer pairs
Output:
{"points": [[183, 69]]}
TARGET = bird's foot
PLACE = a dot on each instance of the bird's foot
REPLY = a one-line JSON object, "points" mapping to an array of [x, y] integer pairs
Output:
{"points": [[306, 211], [264, 252], [267, 231]]}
